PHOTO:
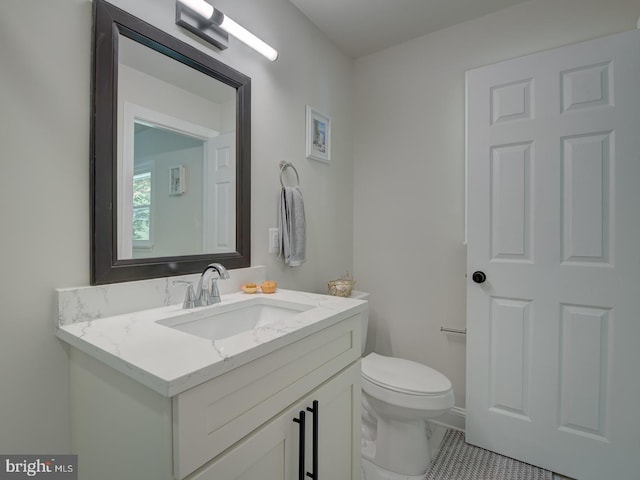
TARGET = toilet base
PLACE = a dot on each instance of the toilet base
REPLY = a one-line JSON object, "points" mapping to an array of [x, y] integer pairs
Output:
{"points": [[403, 452], [402, 446], [371, 471]]}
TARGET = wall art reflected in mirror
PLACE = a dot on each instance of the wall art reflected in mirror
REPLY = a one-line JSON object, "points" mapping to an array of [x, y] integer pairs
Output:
{"points": [[171, 154]]}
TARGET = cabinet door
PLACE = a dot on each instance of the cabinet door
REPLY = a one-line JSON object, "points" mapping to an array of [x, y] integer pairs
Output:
{"points": [[338, 427], [262, 455], [272, 451]]}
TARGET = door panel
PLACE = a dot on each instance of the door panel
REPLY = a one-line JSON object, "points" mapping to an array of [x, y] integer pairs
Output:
{"points": [[586, 205], [220, 195], [510, 375], [511, 202], [553, 146], [584, 359]]}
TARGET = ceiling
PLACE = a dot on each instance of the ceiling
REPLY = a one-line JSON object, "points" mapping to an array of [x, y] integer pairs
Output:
{"points": [[361, 27]]}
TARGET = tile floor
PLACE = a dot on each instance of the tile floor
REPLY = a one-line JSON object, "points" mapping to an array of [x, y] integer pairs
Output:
{"points": [[435, 438]]}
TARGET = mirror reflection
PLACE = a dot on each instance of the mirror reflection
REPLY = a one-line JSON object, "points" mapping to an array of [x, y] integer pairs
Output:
{"points": [[177, 160], [170, 154]]}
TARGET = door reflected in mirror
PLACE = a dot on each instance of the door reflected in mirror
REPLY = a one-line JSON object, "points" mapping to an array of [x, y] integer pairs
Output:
{"points": [[176, 181]]}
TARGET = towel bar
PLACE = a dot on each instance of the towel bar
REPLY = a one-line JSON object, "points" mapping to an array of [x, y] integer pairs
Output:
{"points": [[453, 330], [283, 166]]}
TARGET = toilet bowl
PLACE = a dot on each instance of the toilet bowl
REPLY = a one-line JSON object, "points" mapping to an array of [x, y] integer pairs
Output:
{"points": [[398, 397], [402, 395]]}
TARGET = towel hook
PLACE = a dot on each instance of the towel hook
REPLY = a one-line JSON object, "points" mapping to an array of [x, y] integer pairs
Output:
{"points": [[283, 166]]}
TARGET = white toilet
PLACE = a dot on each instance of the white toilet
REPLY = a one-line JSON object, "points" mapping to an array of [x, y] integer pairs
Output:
{"points": [[398, 396]]}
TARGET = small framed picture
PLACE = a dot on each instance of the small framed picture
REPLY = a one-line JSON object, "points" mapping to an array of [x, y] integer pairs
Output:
{"points": [[176, 180], [318, 135]]}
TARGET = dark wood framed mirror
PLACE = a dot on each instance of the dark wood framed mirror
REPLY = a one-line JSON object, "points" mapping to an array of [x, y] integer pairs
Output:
{"points": [[122, 247]]}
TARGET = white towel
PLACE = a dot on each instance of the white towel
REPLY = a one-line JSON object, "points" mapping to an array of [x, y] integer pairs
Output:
{"points": [[291, 223]]}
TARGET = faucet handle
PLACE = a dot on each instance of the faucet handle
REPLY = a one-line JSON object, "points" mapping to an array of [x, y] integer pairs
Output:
{"points": [[210, 293], [214, 293], [190, 300]]}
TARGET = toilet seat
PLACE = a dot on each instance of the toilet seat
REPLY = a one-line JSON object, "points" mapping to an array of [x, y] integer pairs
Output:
{"points": [[405, 383], [404, 376]]}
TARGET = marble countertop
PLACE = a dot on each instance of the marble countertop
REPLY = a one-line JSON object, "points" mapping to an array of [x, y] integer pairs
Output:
{"points": [[170, 361]]}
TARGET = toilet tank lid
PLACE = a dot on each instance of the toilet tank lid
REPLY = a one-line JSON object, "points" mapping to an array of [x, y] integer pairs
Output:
{"points": [[404, 375]]}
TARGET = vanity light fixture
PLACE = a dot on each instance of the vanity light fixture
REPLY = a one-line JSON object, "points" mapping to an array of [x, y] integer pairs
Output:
{"points": [[210, 24]]}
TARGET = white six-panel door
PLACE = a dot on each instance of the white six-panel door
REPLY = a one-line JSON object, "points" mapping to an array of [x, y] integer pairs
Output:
{"points": [[553, 346]]}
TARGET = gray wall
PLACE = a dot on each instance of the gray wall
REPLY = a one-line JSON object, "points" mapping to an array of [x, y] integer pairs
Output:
{"points": [[45, 53], [409, 168]]}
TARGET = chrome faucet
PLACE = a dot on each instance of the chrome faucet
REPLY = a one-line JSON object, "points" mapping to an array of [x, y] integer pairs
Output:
{"points": [[207, 292]]}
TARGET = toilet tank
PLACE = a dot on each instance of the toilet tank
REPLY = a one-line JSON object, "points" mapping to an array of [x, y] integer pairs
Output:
{"points": [[365, 317]]}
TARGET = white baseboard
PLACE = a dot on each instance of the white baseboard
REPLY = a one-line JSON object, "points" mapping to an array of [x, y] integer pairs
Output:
{"points": [[454, 418]]}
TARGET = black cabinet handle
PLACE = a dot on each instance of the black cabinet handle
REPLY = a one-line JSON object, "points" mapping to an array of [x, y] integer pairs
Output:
{"points": [[316, 414], [301, 448]]}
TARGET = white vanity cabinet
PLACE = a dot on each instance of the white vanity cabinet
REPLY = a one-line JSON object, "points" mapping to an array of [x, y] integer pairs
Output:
{"points": [[239, 425], [274, 451]]}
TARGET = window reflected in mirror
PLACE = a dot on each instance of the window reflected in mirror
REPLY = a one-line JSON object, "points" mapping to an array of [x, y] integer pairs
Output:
{"points": [[142, 203]]}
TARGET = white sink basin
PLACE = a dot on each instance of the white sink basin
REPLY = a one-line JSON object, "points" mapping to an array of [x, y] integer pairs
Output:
{"points": [[226, 320]]}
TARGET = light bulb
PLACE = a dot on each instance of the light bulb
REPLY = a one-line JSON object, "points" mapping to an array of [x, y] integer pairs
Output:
{"points": [[201, 7], [245, 36]]}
